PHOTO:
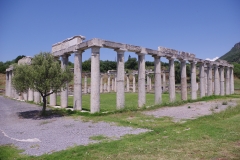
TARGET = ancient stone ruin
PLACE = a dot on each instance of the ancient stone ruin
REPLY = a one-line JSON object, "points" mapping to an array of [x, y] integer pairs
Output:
{"points": [[220, 85]]}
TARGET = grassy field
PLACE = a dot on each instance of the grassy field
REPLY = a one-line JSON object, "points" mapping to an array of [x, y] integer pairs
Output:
{"points": [[108, 101], [210, 137]]}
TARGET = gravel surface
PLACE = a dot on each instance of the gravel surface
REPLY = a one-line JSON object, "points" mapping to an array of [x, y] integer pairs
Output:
{"points": [[191, 110], [20, 127]]}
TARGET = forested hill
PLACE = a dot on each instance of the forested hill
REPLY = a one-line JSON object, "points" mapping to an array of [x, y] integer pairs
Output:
{"points": [[233, 55]]}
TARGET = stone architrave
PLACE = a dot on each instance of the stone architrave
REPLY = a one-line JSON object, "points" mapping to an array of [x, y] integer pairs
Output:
{"points": [[108, 87], [134, 83], [85, 85], [77, 99], [216, 80], [64, 93], [157, 83], [141, 80], [120, 79], [183, 80], [171, 87], [202, 79], [222, 87], [164, 81], [231, 80], [127, 83], [193, 80], [95, 80], [30, 94], [227, 81], [209, 78]]}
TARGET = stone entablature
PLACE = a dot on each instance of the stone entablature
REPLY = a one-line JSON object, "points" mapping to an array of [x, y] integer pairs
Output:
{"points": [[25, 60]]}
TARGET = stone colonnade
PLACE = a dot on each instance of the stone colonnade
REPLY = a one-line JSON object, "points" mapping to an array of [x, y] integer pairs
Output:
{"points": [[77, 46]]}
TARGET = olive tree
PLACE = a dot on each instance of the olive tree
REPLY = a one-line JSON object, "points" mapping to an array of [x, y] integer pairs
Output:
{"points": [[43, 75]]}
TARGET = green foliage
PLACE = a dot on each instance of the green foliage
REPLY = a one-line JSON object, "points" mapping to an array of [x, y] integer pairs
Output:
{"points": [[131, 63], [233, 55], [44, 74], [4, 66], [236, 69], [104, 65]]}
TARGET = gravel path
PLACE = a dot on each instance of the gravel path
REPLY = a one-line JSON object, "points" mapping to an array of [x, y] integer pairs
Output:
{"points": [[38, 136], [191, 110]]}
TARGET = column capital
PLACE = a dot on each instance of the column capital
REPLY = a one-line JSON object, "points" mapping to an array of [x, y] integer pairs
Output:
{"points": [[78, 51], [120, 50], [65, 55]]}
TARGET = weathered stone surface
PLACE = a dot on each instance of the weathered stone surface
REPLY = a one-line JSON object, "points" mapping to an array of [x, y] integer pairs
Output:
{"points": [[25, 60], [132, 48], [113, 45], [67, 43]]}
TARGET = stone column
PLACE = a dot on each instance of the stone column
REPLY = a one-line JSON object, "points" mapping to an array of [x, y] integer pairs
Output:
{"points": [[30, 95], [183, 80], [209, 77], [127, 83], [120, 79], [150, 83], [36, 95], [108, 88], [112, 84], [77, 99], [7, 84], [134, 83], [95, 80], [202, 79], [206, 81], [193, 80], [101, 84], [164, 81], [53, 99], [85, 85], [147, 82], [105, 87], [141, 80], [157, 82], [216, 80], [227, 81], [10, 84], [231, 80], [25, 96], [64, 93], [115, 83], [222, 87], [171, 86]]}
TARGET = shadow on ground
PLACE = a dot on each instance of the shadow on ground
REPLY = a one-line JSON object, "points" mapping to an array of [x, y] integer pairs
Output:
{"points": [[36, 114]]}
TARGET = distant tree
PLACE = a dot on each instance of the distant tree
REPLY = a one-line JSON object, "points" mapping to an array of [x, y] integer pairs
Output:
{"points": [[18, 57], [131, 63], [43, 75]]}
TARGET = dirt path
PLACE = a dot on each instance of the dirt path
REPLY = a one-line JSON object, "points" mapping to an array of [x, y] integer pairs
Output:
{"points": [[19, 126], [191, 110]]}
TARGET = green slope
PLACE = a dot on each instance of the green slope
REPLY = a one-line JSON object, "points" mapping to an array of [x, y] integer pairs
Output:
{"points": [[233, 55]]}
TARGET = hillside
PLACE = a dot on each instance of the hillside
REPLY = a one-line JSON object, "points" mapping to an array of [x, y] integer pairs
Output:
{"points": [[233, 55]]}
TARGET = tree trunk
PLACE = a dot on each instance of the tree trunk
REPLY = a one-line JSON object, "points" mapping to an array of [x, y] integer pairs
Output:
{"points": [[44, 106]]}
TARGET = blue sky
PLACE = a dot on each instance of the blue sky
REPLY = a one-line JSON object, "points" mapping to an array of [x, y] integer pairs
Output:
{"points": [[207, 28]]}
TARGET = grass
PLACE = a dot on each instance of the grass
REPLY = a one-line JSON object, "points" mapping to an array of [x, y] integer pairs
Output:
{"points": [[210, 137], [108, 101]]}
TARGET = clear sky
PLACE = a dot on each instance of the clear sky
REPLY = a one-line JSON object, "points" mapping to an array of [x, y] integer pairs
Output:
{"points": [[207, 28]]}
